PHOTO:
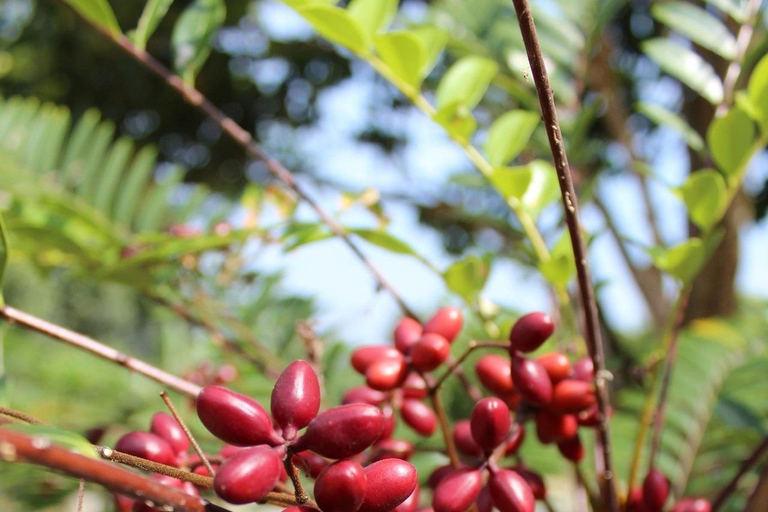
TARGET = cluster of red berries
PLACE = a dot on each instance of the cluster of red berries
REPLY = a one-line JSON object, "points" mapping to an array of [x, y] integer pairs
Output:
{"points": [[654, 494]]}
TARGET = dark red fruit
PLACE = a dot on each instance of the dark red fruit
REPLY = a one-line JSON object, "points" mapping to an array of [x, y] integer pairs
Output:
{"points": [[457, 491], [123, 503], [430, 352], [531, 381], [419, 416], [465, 442], [389, 423], [447, 322], [557, 365], [390, 483], [414, 387], [247, 476], [438, 474], [635, 501], [234, 418], [515, 440], [343, 431], [166, 426], [534, 480], [692, 505], [363, 357], [203, 471], [495, 374], [386, 374], [531, 331], [411, 503], [181, 485], [363, 395], [147, 446], [583, 369], [311, 462], [229, 450], [552, 427], [510, 492], [298, 508], [393, 448], [484, 500], [490, 423], [571, 448], [295, 398], [573, 396], [655, 490], [407, 332], [341, 487]]}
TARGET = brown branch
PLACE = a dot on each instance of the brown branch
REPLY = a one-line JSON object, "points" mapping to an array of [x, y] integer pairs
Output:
{"points": [[571, 211], [26, 418], [750, 461], [127, 459], [14, 316]]}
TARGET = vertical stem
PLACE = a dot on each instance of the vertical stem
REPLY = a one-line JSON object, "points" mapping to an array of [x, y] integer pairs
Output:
{"points": [[750, 461], [187, 432], [571, 210]]}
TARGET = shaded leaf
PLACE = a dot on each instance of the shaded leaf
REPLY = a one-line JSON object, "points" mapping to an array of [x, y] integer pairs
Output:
{"points": [[337, 25], [685, 65], [698, 25], [730, 139], [193, 34], [662, 116], [509, 134], [734, 8], [682, 261], [705, 195], [468, 276], [151, 16], [465, 82], [405, 55], [738, 415], [97, 11], [373, 15], [561, 266], [457, 119]]}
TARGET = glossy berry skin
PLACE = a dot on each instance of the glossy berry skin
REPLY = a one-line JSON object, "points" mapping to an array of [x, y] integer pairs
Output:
{"points": [[534, 480], [655, 490], [530, 331], [341, 487], [390, 483], [573, 396], [584, 369], [495, 374], [571, 448], [147, 446], [295, 398], [438, 474], [407, 332], [490, 423], [447, 322], [363, 357], [363, 395], [457, 491], [411, 503], [386, 374], [164, 425], [414, 387], [343, 431], [234, 418], [465, 442], [393, 448], [248, 476], [510, 492], [557, 365], [312, 463], [419, 416], [531, 381], [635, 501], [692, 505], [430, 352], [552, 427]]}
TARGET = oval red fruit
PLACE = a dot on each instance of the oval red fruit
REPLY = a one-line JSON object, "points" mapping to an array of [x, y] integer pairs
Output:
{"points": [[419, 416], [458, 490], [530, 331], [390, 482], [363, 395], [166, 426], [573, 396], [495, 374], [557, 365], [484, 500], [411, 503], [438, 474], [465, 442], [571, 448], [295, 398], [147, 446], [343, 431], [635, 501], [515, 440], [311, 462], [552, 427], [407, 332], [386, 374], [393, 448], [534, 480], [692, 505], [363, 357], [248, 475], [430, 352], [414, 386], [531, 381], [341, 487], [510, 492], [234, 418], [447, 322], [583, 369], [490, 423], [655, 490]]}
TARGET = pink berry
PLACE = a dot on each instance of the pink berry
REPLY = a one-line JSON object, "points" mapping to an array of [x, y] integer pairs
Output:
{"points": [[583, 369], [510, 492], [234, 418], [490, 423], [531, 381], [393, 449], [534, 480], [407, 332], [123, 503], [363, 395], [415, 387], [147, 446], [557, 365], [419, 417], [692, 505], [571, 448], [295, 398], [531, 331], [386, 374], [573, 396], [655, 490], [390, 482], [343, 431], [411, 503], [447, 322], [552, 427], [363, 357], [166, 426], [430, 352], [341, 487], [465, 442], [248, 476], [458, 490], [495, 374]]}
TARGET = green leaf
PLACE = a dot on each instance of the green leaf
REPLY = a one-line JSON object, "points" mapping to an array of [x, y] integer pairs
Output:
{"points": [[111, 173], [512, 182], [705, 195], [3, 255], [685, 65], [662, 116], [97, 11], [509, 134], [384, 240], [457, 119], [682, 261], [70, 440], [300, 234], [466, 82], [405, 55], [698, 25], [193, 34], [434, 40], [373, 15], [338, 26], [560, 267], [738, 415], [153, 14], [758, 92], [734, 8], [532, 186], [134, 183], [467, 277], [730, 139]]}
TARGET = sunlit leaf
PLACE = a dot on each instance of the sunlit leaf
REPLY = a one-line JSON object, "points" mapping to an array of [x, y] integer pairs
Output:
{"points": [[434, 40], [337, 25], [457, 119], [705, 195], [405, 55], [730, 139], [193, 34], [698, 25], [384, 240], [662, 116], [98, 12], [734, 8], [468, 276], [373, 15], [466, 82], [560, 267], [682, 261], [509, 134], [532, 186], [758, 91], [153, 14]]}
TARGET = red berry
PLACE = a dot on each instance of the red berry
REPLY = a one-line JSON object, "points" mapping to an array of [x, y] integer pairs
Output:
{"points": [[166, 426], [386, 374], [635, 501], [390, 482], [571, 448], [515, 440], [447, 322], [393, 448], [343, 431], [692, 505], [414, 387], [655, 490], [411, 503], [407, 332], [389, 423], [186, 487], [248, 476], [295, 398], [123, 503], [234, 418], [490, 423], [484, 500], [510, 492], [457, 491], [583, 369], [572, 396], [363, 395], [229, 450], [531, 381], [552, 427], [557, 365], [495, 374], [341, 487], [203, 471], [298, 508], [534, 480], [147, 446], [430, 352], [438, 474], [419, 416], [531, 331], [465, 442], [363, 357], [311, 462]]}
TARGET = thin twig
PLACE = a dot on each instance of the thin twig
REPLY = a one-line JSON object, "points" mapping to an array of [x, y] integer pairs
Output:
{"points": [[80, 495], [133, 461], [445, 428], [83, 342], [571, 211], [187, 432], [301, 495], [26, 418], [750, 461], [455, 364]]}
